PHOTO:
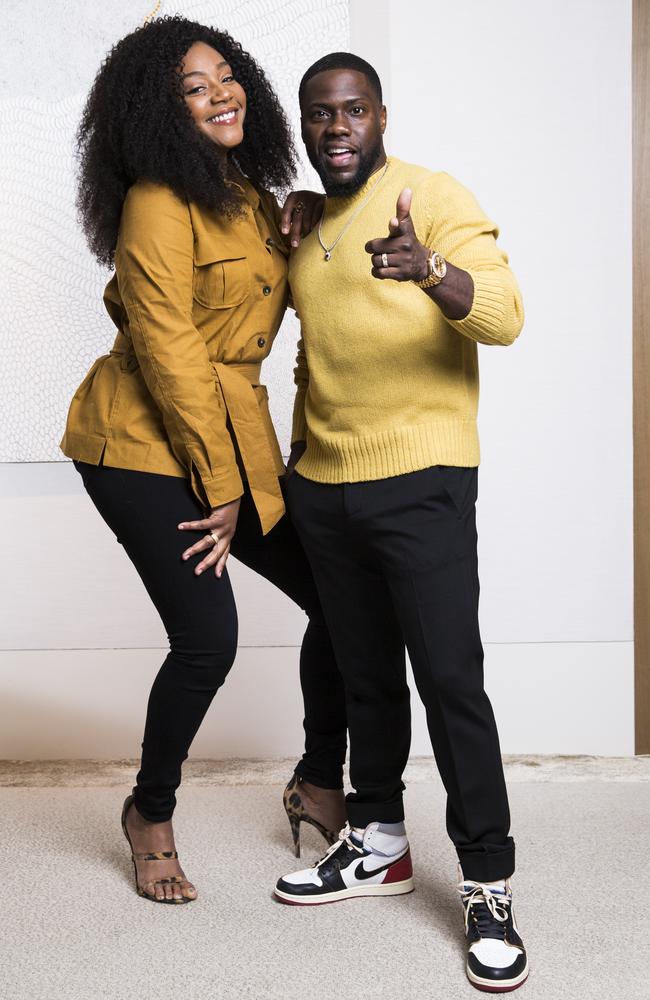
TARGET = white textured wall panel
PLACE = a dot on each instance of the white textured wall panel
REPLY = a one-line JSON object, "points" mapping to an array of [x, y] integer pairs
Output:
{"points": [[52, 323]]}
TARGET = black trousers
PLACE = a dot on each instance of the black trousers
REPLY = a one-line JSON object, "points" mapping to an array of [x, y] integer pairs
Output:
{"points": [[199, 614], [395, 563]]}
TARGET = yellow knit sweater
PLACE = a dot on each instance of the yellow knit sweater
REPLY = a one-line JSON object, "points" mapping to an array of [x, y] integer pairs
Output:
{"points": [[386, 384]]}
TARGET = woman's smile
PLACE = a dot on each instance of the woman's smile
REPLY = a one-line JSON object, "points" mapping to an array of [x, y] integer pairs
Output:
{"points": [[224, 118]]}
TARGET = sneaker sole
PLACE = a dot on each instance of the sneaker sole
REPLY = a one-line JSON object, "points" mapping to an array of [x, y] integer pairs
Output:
{"points": [[392, 889], [504, 986]]}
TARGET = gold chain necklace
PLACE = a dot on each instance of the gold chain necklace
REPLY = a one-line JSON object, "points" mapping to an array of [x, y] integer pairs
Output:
{"points": [[329, 250]]}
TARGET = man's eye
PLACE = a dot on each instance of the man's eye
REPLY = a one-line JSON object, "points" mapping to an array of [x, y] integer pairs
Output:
{"points": [[356, 110], [319, 114]]}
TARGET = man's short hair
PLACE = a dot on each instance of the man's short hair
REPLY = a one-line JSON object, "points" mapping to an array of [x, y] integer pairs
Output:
{"points": [[342, 60]]}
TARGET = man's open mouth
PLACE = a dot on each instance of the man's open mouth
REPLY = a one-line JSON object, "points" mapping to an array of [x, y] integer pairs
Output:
{"points": [[339, 156]]}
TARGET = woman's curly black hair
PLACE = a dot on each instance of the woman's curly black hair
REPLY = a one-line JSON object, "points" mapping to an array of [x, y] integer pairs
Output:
{"points": [[136, 125]]}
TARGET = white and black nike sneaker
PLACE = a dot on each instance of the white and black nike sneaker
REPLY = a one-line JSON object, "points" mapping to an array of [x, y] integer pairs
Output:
{"points": [[352, 868], [496, 957]]}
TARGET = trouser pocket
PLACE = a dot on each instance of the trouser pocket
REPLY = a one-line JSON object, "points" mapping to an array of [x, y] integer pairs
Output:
{"points": [[460, 485]]}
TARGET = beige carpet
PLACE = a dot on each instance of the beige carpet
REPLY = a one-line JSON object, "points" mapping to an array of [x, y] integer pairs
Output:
{"points": [[73, 929]]}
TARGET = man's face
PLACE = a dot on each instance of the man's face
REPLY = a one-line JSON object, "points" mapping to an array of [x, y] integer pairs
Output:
{"points": [[342, 128]]}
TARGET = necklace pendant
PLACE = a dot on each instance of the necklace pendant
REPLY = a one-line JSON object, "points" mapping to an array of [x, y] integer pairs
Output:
{"points": [[327, 255]]}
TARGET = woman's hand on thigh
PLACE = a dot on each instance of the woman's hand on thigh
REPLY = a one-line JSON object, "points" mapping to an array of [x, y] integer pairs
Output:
{"points": [[220, 527]]}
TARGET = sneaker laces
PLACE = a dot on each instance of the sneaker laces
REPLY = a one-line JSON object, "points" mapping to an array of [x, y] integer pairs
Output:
{"points": [[490, 909], [345, 837]]}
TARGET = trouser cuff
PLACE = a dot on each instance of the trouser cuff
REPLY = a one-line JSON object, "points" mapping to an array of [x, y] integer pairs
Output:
{"points": [[360, 814], [487, 862], [155, 809], [321, 779]]}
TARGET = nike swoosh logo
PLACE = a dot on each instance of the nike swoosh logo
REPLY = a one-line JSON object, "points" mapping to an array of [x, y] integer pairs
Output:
{"points": [[361, 873]]}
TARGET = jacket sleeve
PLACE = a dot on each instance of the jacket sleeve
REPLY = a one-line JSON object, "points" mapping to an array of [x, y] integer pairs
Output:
{"points": [[301, 378], [155, 266], [452, 223]]}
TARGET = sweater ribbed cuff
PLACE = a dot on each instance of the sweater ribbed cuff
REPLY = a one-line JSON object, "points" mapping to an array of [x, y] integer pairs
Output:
{"points": [[485, 320]]}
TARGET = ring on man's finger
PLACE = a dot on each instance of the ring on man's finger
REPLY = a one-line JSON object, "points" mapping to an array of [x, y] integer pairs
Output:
{"points": [[384, 260]]}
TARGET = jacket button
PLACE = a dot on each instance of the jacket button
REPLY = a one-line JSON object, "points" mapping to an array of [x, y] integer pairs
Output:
{"points": [[267, 289], [261, 342]]}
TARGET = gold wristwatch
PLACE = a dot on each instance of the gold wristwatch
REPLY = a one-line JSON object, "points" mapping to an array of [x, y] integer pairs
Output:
{"points": [[437, 268]]}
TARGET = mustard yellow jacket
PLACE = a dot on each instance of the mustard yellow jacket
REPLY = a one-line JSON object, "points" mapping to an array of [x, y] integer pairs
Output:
{"points": [[197, 300]]}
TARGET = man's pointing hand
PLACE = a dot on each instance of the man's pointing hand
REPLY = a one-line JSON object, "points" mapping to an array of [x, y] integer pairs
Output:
{"points": [[400, 256]]}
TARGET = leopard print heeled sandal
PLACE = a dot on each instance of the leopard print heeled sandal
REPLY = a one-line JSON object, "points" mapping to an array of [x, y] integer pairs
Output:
{"points": [[297, 814], [152, 856]]}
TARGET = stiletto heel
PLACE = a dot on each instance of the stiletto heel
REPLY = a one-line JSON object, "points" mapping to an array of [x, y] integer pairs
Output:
{"points": [[294, 823], [297, 814]]}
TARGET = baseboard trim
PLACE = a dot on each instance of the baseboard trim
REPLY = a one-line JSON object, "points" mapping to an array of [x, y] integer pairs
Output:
{"points": [[277, 770]]}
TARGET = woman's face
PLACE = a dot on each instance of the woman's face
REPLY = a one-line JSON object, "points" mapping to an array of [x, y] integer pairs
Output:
{"points": [[217, 102]]}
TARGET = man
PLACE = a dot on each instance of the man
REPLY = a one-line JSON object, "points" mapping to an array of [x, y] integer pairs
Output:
{"points": [[385, 449]]}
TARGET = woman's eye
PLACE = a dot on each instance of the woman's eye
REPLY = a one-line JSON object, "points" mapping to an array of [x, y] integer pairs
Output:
{"points": [[228, 79], [194, 90]]}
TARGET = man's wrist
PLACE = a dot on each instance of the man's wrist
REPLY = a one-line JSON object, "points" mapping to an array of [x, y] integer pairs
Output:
{"points": [[424, 271], [436, 271]]}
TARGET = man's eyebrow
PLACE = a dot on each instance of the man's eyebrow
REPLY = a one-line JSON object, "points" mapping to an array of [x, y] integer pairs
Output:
{"points": [[199, 72], [344, 100]]}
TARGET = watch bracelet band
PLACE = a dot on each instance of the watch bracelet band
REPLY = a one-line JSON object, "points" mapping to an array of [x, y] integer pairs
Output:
{"points": [[437, 267]]}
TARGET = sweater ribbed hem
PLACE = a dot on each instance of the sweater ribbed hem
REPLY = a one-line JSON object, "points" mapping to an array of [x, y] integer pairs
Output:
{"points": [[346, 459]]}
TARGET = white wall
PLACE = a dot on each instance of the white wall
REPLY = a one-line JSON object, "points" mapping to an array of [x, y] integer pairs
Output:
{"points": [[529, 105]]}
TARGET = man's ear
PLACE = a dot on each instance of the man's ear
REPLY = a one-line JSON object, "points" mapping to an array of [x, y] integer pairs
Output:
{"points": [[383, 118]]}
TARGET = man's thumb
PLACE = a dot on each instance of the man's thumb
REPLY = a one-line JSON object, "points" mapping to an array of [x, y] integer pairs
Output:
{"points": [[404, 204]]}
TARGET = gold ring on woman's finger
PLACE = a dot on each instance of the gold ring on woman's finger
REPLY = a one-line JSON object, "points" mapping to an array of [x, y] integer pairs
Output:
{"points": [[215, 538], [384, 260]]}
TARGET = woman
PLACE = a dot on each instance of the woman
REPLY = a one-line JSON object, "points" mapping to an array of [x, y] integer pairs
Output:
{"points": [[180, 138]]}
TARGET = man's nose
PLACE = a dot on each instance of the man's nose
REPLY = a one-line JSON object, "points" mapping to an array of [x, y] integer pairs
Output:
{"points": [[338, 125]]}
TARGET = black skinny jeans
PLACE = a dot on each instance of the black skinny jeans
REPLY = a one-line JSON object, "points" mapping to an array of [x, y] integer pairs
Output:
{"points": [[143, 510]]}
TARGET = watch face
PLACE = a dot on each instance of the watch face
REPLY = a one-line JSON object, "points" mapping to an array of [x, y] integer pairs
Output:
{"points": [[438, 265]]}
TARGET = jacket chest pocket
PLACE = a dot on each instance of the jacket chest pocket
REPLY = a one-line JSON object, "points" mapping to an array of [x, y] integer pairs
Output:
{"points": [[221, 275]]}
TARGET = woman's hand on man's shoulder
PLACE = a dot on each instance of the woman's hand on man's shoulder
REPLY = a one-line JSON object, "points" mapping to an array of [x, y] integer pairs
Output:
{"points": [[300, 213]]}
